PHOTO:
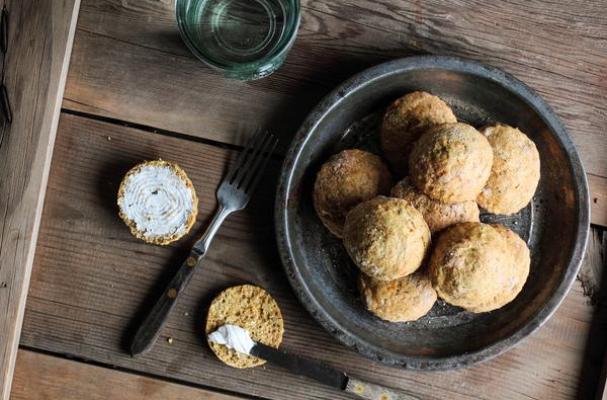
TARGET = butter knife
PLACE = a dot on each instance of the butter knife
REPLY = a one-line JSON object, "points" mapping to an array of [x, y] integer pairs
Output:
{"points": [[328, 375]]}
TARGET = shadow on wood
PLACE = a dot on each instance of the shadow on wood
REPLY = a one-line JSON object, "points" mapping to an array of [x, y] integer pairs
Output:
{"points": [[595, 354]]}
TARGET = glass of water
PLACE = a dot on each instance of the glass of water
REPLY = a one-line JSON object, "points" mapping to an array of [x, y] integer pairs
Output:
{"points": [[244, 39]]}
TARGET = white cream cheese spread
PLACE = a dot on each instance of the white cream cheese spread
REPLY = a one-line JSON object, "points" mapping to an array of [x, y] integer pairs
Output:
{"points": [[158, 201], [234, 337]]}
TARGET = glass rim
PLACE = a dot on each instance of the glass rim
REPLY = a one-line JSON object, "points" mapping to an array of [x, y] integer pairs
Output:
{"points": [[246, 71]]}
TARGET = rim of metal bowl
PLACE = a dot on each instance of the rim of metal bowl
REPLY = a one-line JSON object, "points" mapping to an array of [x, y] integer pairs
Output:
{"points": [[367, 77]]}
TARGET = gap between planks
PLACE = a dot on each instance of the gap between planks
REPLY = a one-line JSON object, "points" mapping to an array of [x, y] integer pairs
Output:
{"points": [[597, 184], [42, 376]]}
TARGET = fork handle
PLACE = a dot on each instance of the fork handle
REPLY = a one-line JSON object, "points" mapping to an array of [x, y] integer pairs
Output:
{"points": [[148, 332]]}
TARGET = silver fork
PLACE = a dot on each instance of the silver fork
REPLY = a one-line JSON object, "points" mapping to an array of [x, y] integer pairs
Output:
{"points": [[233, 194]]}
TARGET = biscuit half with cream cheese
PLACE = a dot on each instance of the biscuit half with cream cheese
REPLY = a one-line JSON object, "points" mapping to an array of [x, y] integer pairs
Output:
{"points": [[157, 201], [251, 308]]}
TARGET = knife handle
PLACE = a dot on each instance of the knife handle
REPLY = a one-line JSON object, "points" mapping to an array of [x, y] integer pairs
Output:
{"points": [[372, 391], [150, 329]]}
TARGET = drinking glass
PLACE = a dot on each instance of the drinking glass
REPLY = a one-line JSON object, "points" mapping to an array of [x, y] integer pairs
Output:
{"points": [[244, 39]]}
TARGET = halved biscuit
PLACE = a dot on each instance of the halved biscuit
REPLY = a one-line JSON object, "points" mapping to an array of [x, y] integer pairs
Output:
{"points": [[251, 308], [157, 201]]}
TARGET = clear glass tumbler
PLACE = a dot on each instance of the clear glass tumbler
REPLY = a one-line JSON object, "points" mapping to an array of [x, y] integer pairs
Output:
{"points": [[244, 39]]}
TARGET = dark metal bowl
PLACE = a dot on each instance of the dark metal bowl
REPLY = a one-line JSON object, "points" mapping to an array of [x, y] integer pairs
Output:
{"points": [[555, 224]]}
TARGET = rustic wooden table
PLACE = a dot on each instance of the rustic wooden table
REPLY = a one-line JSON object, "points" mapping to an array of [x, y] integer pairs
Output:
{"points": [[135, 92]]}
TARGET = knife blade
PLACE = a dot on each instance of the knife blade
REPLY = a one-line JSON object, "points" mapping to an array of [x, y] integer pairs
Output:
{"points": [[327, 375], [301, 366]]}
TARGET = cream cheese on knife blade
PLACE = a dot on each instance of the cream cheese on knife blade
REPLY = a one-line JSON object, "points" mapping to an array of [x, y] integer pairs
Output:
{"points": [[238, 339]]}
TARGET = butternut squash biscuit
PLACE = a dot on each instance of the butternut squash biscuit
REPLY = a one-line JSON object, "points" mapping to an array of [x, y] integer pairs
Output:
{"points": [[157, 201], [387, 238], [451, 163], [515, 173], [404, 122], [401, 300], [520, 255], [438, 215], [251, 308], [477, 266], [347, 179]]}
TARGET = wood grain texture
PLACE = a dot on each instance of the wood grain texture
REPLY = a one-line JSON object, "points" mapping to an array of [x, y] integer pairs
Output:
{"points": [[91, 278], [42, 377], [336, 39], [136, 68], [602, 390], [593, 274], [39, 44], [594, 283], [598, 198]]}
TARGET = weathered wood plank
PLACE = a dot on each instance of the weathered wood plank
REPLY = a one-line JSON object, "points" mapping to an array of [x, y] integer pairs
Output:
{"points": [[91, 278], [41, 377], [592, 274], [598, 198], [39, 44], [594, 282], [136, 68]]}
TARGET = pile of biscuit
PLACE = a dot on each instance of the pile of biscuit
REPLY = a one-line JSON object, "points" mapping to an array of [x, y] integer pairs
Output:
{"points": [[422, 238]]}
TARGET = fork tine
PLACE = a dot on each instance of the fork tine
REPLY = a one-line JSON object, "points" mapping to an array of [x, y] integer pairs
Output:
{"points": [[262, 166], [239, 162], [254, 163], [245, 168]]}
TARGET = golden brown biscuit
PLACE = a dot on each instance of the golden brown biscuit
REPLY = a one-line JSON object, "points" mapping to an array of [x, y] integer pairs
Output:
{"points": [[157, 201], [401, 300], [251, 308], [451, 163], [477, 266], [515, 173], [347, 179], [520, 255], [404, 122], [438, 215], [387, 238]]}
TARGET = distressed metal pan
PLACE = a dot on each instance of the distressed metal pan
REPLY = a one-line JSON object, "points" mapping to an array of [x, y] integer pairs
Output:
{"points": [[555, 225]]}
